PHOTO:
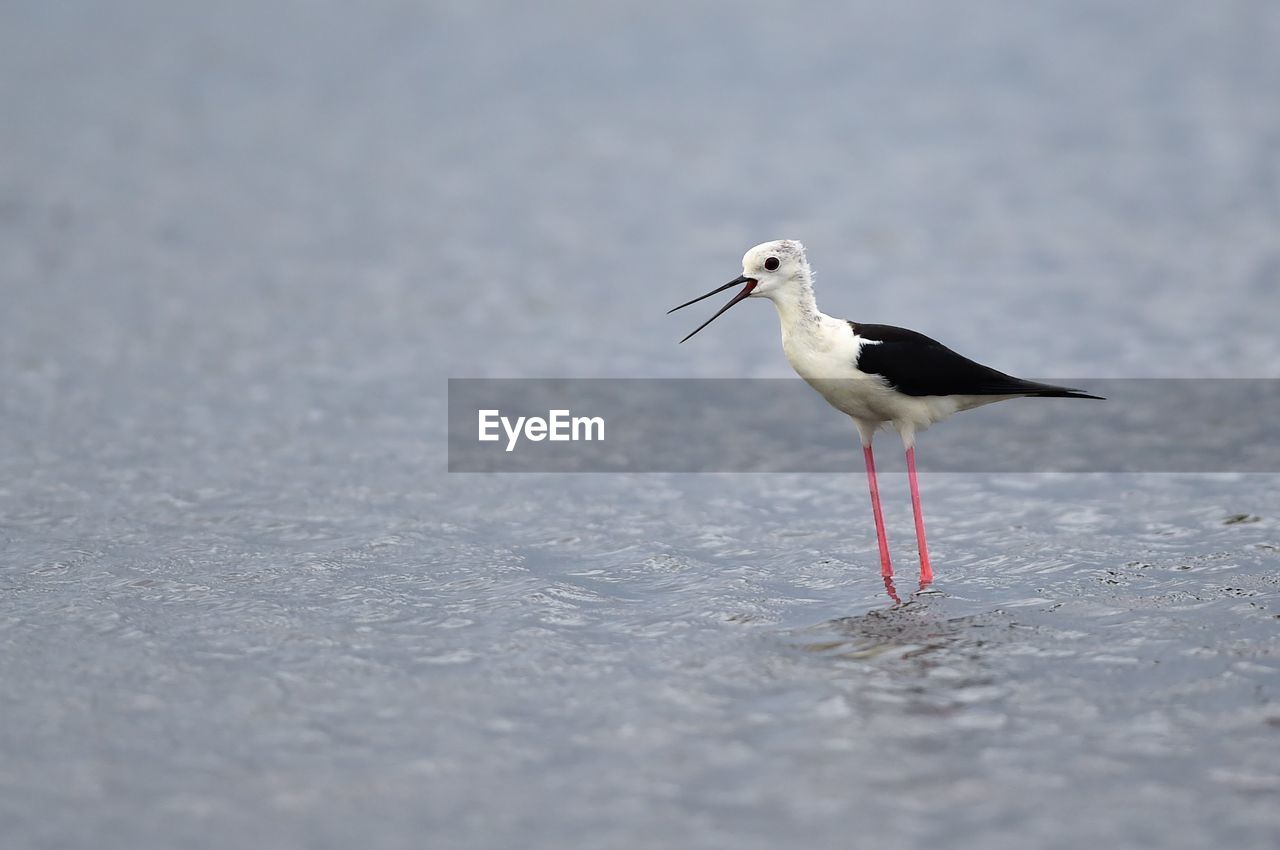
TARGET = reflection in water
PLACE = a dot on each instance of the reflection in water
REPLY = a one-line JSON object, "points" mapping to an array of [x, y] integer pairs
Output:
{"points": [[891, 589], [914, 658]]}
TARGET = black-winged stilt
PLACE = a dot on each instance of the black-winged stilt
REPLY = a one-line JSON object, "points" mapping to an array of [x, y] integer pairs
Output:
{"points": [[877, 374]]}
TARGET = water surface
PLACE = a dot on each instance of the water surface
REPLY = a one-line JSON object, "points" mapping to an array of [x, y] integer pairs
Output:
{"points": [[243, 604]]}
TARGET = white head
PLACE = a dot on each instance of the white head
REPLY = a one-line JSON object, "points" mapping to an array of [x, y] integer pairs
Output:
{"points": [[776, 267], [774, 270]]}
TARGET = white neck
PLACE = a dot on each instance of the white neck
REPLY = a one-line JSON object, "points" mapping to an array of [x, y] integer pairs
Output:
{"points": [[797, 310]]}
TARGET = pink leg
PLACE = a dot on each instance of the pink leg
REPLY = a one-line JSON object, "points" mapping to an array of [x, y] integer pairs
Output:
{"points": [[886, 568], [926, 572]]}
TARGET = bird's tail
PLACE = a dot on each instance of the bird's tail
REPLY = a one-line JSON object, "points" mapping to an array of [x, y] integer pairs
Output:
{"points": [[1035, 390]]}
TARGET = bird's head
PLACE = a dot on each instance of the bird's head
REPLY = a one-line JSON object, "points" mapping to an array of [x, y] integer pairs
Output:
{"points": [[769, 270], [775, 267]]}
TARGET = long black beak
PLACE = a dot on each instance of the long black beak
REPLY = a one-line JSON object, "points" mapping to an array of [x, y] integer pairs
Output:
{"points": [[746, 290]]}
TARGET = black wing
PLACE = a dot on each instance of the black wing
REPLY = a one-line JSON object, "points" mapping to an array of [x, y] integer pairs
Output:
{"points": [[916, 365]]}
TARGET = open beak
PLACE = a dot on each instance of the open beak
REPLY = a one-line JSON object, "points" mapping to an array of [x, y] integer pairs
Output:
{"points": [[746, 290]]}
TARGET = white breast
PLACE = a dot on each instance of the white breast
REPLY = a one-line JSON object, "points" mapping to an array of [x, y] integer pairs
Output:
{"points": [[824, 353]]}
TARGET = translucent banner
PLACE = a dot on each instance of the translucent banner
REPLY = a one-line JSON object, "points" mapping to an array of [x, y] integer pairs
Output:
{"points": [[782, 425]]}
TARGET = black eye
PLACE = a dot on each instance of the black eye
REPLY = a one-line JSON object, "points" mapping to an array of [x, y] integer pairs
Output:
{"points": [[771, 264]]}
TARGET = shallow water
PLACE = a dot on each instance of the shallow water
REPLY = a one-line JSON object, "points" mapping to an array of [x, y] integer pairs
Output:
{"points": [[244, 604]]}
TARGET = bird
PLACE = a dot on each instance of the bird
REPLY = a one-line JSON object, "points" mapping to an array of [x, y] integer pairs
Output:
{"points": [[878, 375]]}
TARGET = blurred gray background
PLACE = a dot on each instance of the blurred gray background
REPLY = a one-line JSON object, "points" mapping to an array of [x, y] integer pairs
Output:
{"points": [[242, 246]]}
